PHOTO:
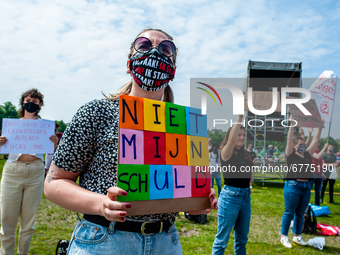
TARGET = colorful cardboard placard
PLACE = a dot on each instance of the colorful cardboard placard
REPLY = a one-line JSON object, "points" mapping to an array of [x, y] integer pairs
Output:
{"points": [[155, 158]]}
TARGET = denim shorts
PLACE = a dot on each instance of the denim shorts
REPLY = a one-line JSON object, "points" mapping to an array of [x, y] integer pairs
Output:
{"points": [[91, 239]]}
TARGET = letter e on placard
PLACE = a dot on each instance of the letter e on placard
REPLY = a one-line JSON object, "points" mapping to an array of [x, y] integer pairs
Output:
{"points": [[175, 119]]}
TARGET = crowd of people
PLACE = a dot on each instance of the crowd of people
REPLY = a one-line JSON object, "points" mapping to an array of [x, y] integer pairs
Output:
{"points": [[88, 150]]}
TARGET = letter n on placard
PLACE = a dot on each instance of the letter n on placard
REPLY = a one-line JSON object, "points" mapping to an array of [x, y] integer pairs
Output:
{"points": [[131, 146], [176, 149], [197, 150], [200, 181], [134, 179], [131, 114], [182, 181], [161, 182], [154, 115]]}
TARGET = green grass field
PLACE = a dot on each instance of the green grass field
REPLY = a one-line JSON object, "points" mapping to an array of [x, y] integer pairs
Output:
{"points": [[54, 223]]}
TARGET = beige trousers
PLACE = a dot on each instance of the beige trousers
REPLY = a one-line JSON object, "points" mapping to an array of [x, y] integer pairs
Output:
{"points": [[21, 191]]}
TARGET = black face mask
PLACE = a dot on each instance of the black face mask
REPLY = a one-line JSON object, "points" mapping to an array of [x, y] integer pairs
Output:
{"points": [[250, 148], [215, 150], [151, 71], [31, 107], [331, 150], [301, 148]]}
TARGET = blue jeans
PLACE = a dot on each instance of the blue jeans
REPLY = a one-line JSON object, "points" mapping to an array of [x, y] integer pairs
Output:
{"points": [[317, 185], [233, 212], [297, 196], [218, 183], [92, 239]]}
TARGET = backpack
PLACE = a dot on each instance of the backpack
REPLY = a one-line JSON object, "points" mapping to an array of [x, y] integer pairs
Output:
{"points": [[62, 247], [201, 218], [309, 221]]}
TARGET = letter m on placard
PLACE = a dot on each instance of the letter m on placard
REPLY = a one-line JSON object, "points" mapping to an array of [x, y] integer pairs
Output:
{"points": [[131, 114]]}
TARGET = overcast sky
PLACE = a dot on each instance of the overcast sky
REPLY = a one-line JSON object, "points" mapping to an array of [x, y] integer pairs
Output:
{"points": [[72, 51]]}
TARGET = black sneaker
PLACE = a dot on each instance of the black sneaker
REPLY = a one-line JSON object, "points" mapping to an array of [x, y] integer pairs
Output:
{"points": [[332, 202]]}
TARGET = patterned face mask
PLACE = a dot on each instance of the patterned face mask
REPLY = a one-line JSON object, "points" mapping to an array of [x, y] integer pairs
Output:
{"points": [[152, 71], [301, 148]]}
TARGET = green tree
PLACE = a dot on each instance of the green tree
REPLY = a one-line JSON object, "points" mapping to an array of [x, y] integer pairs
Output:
{"points": [[8, 110], [216, 136]]}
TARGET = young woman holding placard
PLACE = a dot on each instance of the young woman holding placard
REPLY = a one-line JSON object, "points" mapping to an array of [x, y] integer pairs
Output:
{"points": [[22, 184], [89, 149]]}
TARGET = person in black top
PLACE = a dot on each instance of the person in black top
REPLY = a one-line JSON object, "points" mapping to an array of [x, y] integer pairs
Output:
{"points": [[329, 159], [251, 152], [298, 184], [234, 201]]}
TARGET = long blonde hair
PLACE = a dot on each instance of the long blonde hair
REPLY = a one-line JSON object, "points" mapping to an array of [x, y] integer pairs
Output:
{"points": [[168, 95]]}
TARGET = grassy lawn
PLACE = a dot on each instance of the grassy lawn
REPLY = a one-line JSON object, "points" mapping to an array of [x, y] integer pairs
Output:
{"points": [[54, 223]]}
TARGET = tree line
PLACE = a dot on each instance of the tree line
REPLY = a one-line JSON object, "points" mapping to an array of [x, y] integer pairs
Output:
{"points": [[8, 110], [218, 136]]}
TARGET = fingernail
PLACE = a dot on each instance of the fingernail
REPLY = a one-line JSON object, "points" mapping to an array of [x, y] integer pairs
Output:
{"points": [[215, 204], [123, 219], [128, 205], [124, 193], [211, 196], [122, 213]]}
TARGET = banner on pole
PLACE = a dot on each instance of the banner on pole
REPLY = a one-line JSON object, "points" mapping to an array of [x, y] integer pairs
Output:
{"points": [[323, 92]]}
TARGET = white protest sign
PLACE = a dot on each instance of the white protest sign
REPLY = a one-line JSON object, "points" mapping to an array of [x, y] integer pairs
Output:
{"points": [[27, 136], [323, 92]]}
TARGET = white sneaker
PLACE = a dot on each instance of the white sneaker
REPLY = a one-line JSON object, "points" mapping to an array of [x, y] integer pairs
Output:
{"points": [[299, 240], [285, 242]]}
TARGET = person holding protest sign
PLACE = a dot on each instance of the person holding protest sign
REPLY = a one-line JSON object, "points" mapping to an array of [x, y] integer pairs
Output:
{"points": [[89, 150], [329, 159], [234, 202], [299, 180], [318, 171], [22, 184]]}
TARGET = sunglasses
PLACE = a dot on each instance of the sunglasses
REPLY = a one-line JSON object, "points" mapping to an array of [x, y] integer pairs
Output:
{"points": [[144, 45]]}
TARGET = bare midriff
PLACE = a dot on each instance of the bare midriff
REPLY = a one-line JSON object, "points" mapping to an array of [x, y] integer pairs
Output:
{"points": [[27, 158]]}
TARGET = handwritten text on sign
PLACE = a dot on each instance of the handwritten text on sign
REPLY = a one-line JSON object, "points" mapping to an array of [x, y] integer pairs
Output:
{"points": [[27, 136], [161, 149]]}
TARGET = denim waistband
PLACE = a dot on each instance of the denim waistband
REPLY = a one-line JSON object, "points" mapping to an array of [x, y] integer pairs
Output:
{"points": [[236, 188]]}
